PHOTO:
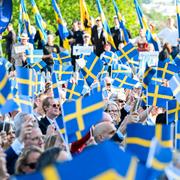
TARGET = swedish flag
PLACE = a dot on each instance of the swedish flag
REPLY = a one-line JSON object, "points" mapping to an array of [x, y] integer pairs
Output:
{"points": [[147, 76], [25, 79], [98, 164], [55, 86], [26, 21], [63, 31], [39, 83], [120, 69], [158, 95], [122, 81], [20, 22], [127, 53], [77, 136], [9, 106], [39, 22], [173, 111], [138, 140], [92, 68], [108, 57], [105, 26], [34, 56], [64, 71], [166, 70], [73, 91], [103, 73], [60, 125], [5, 85], [25, 103], [38, 66], [85, 18], [151, 38], [174, 84], [159, 157], [62, 57], [177, 135], [121, 24], [83, 113], [178, 16], [98, 86]]}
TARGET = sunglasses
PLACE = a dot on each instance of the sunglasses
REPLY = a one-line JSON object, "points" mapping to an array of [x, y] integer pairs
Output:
{"points": [[31, 165], [55, 105]]}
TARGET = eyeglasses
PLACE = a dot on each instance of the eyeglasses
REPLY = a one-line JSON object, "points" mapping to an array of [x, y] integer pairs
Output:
{"points": [[112, 111], [55, 105], [108, 84], [120, 101], [31, 165]]}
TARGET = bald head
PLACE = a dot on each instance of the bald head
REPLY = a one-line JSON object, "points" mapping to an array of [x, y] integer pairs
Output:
{"points": [[104, 131]]}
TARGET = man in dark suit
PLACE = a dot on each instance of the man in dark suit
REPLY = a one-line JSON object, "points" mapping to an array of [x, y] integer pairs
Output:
{"points": [[98, 37], [117, 33], [10, 40], [52, 110]]}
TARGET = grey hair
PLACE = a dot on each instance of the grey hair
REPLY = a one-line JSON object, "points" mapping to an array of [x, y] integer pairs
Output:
{"points": [[19, 120]]}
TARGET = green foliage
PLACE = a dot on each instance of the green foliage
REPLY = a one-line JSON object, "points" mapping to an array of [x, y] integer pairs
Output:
{"points": [[70, 10]]}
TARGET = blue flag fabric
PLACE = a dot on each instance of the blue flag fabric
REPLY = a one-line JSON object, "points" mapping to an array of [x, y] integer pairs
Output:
{"points": [[93, 66], [173, 111], [106, 28], [60, 125], [108, 57], [63, 31], [34, 56], [158, 95], [174, 84], [127, 53], [64, 71], [55, 86], [83, 113], [178, 15], [25, 103], [121, 24], [39, 83], [9, 106], [177, 135], [6, 12], [138, 140], [62, 57], [121, 165], [5, 62], [73, 91], [26, 21], [40, 23], [147, 76], [5, 85], [103, 73], [25, 80], [166, 70], [120, 69], [38, 66], [122, 81], [159, 157]]}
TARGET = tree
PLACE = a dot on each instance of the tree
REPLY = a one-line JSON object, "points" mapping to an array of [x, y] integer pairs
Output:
{"points": [[70, 11]]}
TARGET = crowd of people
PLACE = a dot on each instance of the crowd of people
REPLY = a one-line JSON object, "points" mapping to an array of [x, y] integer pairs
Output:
{"points": [[30, 142]]}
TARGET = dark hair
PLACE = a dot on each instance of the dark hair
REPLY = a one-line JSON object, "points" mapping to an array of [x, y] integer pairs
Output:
{"points": [[22, 159], [7, 126], [167, 47], [48, 157]]}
